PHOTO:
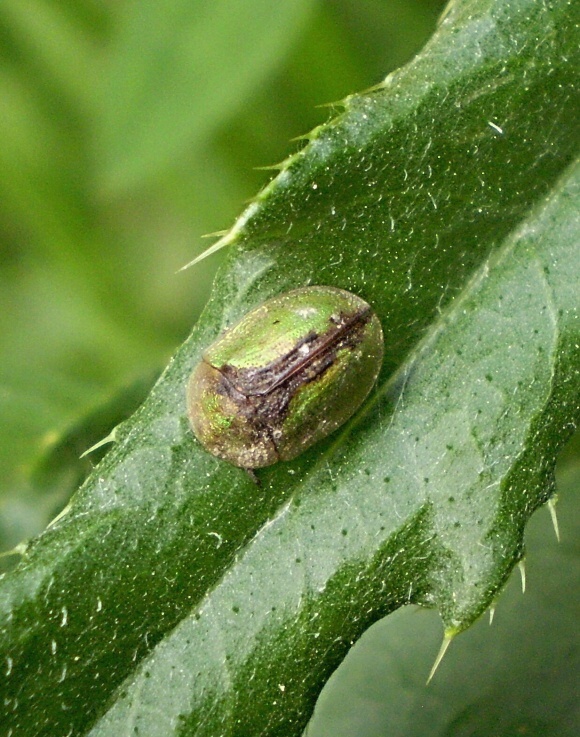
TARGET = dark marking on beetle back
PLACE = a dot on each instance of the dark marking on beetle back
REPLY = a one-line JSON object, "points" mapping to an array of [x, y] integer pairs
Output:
{"points": [[260, 381], [262, 395]]}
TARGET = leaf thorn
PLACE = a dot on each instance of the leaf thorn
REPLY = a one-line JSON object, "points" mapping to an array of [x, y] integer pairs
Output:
{"points": [[215, 234], [111, 437], [59, 515], [522, 567], [449, 635], [271, 167], [552, 509], [19, 549], [227, 238]]}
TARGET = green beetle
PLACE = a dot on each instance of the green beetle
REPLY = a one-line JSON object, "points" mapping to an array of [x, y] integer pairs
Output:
{"points": [[285, 376]]}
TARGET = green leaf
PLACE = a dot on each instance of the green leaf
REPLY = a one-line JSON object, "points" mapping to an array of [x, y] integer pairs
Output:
{"points": [[176, 597], [515, 677], [179, 68]]}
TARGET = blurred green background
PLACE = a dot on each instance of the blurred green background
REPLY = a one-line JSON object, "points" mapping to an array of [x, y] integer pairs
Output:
{"points": [[128, 129]]}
